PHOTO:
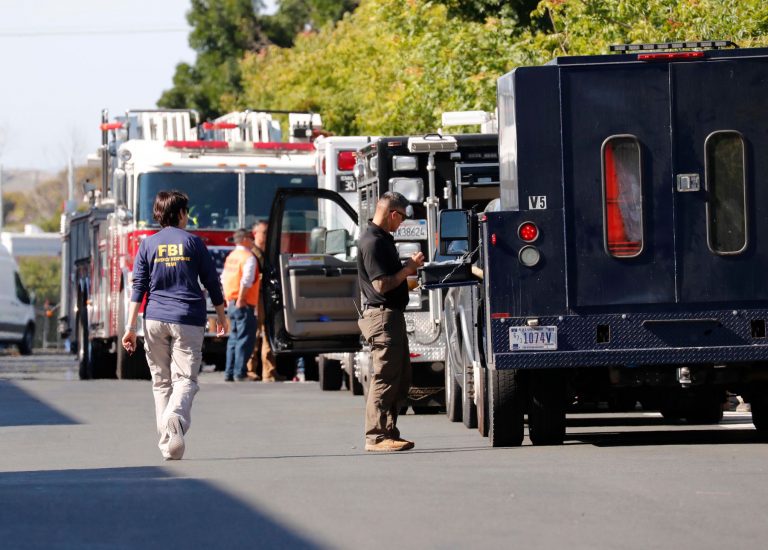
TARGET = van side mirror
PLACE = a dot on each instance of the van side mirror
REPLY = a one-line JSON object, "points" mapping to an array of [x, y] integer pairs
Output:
{"points": [[453, 237], [337, 242]]}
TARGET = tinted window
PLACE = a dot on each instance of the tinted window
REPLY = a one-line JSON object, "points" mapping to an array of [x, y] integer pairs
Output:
{"points": [[725, 181], [212, 197], [260, 191], [622, 197]]}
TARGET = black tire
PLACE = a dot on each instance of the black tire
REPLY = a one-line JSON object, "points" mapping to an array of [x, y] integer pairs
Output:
{"points": [[27, 340], [506, 397], [481, 399], [759, 406], [330, 374], [705, 408], [132, 367], [354, 384], [84, 351], [104, 363], [546, 412]]}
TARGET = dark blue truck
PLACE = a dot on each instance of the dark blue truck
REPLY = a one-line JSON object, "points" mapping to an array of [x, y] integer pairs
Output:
{"points": [[625, 261]]}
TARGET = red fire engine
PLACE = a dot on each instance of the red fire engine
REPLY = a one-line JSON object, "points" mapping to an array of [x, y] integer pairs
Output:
{"points": [[230, 168]]}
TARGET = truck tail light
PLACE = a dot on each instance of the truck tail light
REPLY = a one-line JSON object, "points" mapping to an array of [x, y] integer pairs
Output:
{"points": [[345, 161], [669, 56], [528, 232]]}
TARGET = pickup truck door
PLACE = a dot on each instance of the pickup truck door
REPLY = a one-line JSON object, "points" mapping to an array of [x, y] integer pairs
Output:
{"points": [[312, 296]]}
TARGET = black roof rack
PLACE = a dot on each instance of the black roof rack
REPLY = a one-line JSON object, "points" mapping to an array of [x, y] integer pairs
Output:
{"points": [[683, 45]]}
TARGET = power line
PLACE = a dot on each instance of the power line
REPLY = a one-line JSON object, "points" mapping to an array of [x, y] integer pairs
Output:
{"points": [[33, 34]]}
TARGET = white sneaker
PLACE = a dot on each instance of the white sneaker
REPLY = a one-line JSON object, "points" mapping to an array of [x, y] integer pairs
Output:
{"points": [[176, 439]]}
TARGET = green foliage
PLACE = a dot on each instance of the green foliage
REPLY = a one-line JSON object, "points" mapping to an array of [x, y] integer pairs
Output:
{"points": [[390, 67], [296, 16], [43, 277], [590, 26], [222, 31], [393, 66]]}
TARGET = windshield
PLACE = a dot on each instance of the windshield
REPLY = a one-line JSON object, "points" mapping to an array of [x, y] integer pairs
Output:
{"points": [[260, 191], [212, 197]]}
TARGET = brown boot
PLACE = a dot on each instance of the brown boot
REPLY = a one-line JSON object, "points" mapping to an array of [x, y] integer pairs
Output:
{"points": [[388, 446]]}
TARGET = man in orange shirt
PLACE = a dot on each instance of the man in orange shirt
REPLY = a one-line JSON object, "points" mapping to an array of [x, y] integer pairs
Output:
{"points": [[241, 292]]}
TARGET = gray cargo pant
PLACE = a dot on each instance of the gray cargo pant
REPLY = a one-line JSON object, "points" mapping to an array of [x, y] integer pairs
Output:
{"points": [[384, 330], [174, 353]]}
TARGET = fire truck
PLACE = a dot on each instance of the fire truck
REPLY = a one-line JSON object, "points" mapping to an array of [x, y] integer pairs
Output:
{"points": [[229, 168], [315, 298], [624, 259]]}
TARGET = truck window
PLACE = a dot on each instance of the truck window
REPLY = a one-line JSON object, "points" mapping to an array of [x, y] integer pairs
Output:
{"points": [[726, 185], [212, 197], [622, 197], [260, 191]]}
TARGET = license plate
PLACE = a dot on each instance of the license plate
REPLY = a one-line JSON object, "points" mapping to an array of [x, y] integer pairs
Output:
{"points": [[532, 338], [411, 230]]}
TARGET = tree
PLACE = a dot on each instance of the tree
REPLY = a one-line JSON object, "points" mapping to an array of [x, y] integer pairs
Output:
{"points": [[389, 67], [222, 31]]}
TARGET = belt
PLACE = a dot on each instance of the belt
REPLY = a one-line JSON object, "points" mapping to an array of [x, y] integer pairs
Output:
{"points": [[381, 307]]}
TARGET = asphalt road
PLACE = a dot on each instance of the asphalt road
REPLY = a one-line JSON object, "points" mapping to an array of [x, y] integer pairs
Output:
{"points": [[282, 466]]}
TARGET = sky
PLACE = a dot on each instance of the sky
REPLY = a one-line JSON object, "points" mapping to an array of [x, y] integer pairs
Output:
{"points": [[63, 61]]}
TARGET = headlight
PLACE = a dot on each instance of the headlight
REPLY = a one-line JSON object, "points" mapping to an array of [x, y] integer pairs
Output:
{"points": [[411, 188]]}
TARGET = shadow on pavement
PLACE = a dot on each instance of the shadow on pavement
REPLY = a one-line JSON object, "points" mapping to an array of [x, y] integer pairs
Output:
{"points": [[23, 409], [130, 508], [702, 436]]}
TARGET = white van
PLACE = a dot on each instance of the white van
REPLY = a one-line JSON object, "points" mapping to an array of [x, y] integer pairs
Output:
{"points": [[17, 314]]}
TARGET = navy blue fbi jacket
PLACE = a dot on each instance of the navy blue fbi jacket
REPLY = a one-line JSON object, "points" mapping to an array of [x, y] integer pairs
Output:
{"points": [[167, 267]]}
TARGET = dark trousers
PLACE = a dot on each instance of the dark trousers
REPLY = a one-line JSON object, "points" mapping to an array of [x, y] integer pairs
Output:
{"points": [[384, 330], [242, 338]]}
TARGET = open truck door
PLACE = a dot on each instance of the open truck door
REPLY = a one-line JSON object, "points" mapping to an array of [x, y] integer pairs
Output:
{"points": [[312, 297]]}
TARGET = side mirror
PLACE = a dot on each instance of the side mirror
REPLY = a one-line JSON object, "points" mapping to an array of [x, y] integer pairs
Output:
{"points": [[453, 238], [32, 297], [118, 185], [337, 241]]}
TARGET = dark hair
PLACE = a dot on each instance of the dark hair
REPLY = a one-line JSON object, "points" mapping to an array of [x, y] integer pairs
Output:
{"points": [[168, 207], [395, 200]]}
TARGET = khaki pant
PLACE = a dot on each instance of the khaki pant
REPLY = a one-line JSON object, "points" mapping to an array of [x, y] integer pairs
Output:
{"points": [[262, 352], [384, 330], [174, 353]]}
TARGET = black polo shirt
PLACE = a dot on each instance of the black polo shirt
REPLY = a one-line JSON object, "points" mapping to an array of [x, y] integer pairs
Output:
{"points": [[377, 257]]}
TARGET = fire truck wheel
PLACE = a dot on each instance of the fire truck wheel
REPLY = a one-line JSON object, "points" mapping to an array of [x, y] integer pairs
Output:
{"points": [[353, 384], [330, 374], [25, 346], [481, 399], [132, 367], [506, 396], [546, 413]]}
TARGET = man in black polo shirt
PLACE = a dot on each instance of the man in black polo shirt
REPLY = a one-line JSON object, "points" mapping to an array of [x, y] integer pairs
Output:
{"points": [[383, 281]]}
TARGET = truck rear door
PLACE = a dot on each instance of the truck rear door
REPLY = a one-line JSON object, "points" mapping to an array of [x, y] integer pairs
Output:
{"points": [[617, 173], [720, 138]]}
